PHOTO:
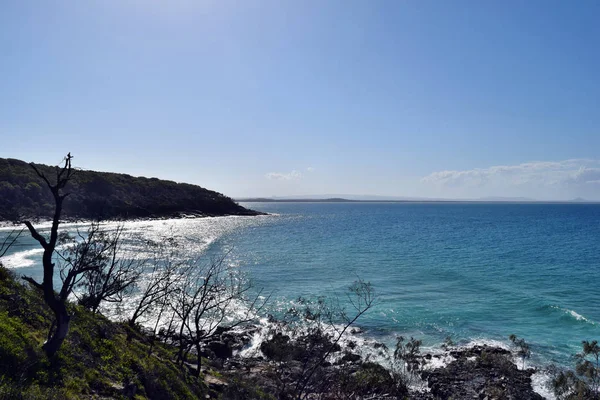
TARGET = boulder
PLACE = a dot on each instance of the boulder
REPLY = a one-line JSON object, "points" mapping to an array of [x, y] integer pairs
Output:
{"points": [[220, 349]]}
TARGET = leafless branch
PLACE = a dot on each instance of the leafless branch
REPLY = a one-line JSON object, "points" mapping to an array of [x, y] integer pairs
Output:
{"points": [[8, 241]]}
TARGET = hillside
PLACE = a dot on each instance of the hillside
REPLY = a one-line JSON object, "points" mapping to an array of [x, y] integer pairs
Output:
{"points": [[106, 195], [99, 360]]}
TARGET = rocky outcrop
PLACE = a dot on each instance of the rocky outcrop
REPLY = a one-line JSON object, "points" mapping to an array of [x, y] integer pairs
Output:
{"points": [[481, 372]]}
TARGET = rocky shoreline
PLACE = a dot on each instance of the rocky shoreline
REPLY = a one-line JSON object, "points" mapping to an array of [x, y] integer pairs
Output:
{"points": [[104, 359], [478, 372], [481, 372]]}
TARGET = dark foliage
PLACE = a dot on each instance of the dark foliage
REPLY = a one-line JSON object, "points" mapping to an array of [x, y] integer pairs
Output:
{"points": [[103, 195], [584, 381]]}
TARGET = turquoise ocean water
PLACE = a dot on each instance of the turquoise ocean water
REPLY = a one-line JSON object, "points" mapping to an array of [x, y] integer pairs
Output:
{"points": [[475, 272], [469, 271]]}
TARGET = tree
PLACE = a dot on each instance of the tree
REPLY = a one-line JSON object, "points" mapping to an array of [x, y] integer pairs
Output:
{"points": [[160, 278], [523, 350], [361, 298], [93, 268], [584, 382], [308, 335], [588, 366], [5, 245], [55, 301], [207, 298], [8, 242], [408, 355]]}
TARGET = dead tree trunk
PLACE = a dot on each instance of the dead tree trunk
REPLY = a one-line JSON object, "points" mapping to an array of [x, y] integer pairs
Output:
{"points": [[56, 302], [56, 339]]}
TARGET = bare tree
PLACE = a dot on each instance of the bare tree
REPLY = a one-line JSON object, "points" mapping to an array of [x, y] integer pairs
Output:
{"points": [[161, 273], [93, 268], [209, 298], [361, 299], [308, 335], [56, 302], [6, 244], [9, 241]]}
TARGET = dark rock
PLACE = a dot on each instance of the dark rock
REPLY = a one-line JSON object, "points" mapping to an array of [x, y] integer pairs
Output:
{"points": [[207, 353], [481, 372], [277, 348], [351, 357], [221, 350], [220, 330]]}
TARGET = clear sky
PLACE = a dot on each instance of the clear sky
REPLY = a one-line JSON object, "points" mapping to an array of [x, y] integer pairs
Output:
{"points": [[258, 98]]}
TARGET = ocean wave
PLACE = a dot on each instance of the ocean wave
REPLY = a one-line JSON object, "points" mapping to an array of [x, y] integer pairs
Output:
{"points": [[485, 342], [21, 259], [540, 382], [574, 314]]}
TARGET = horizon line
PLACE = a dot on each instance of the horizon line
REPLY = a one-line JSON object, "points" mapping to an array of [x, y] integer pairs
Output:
{"points": [[339, 199]]}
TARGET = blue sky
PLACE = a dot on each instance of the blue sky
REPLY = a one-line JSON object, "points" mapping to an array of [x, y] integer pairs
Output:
{"points": [[258, 98]]}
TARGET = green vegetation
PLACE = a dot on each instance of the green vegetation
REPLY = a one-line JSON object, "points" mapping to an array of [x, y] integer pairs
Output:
{"points": [[97, 358], [584, 382], [407, 359], [103, 195], [523, 350], [100, 358]]}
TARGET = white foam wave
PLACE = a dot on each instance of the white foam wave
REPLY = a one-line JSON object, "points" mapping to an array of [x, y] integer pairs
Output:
{"points": [[540, 381], [575, 314], [22, 258], [486, 342], [252, 349], [439, 358], [39, 225], [352, 339], [10, 226], [578, 316]]}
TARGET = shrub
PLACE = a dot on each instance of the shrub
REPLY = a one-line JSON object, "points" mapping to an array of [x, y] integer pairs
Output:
{"points": [[523, 350], [584, 382]]}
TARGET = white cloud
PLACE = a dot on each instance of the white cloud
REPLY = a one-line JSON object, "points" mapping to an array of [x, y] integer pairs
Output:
{"points": [[310, 169], [281, 176], [574, 172]]}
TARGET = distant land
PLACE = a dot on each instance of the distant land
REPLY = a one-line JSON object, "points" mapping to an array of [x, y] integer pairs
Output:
{"points": [[105, 195], [397, 199]]}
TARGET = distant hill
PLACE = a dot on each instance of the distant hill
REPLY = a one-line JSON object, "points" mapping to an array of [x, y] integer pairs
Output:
{"points": [[391, 199], [106, 195], [508, 199], [339, 197]]}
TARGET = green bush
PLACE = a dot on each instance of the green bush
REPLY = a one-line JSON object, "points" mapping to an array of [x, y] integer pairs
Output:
{"points": [[15, 348]]}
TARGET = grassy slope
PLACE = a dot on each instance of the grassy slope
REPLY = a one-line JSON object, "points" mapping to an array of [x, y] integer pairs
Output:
{"points": [[96, 360]]}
